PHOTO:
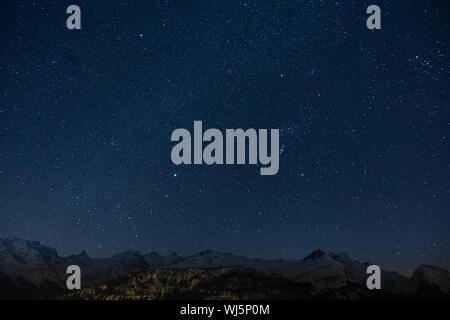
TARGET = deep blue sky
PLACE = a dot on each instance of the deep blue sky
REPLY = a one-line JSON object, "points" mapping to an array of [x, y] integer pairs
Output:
{"points": [[86, 118]]}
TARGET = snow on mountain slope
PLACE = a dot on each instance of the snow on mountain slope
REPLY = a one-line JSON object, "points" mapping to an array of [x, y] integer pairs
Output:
{"points": [[96, 271], [23, 261], [156, 260], [36, 262], [324, 270], [27, 259], [211, 259]]}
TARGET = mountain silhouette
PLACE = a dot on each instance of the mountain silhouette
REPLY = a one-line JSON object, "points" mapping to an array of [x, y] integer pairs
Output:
{"points": [[31, 270]]}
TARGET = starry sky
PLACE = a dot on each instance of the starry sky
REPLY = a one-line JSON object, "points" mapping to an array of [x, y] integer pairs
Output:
{"points": [[86, 118]]}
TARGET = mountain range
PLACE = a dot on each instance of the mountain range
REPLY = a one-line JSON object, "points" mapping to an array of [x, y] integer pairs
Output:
{"points": [[29, 270]]}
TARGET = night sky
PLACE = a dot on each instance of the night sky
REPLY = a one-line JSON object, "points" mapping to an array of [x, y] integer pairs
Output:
{"points": [[86, 118]]}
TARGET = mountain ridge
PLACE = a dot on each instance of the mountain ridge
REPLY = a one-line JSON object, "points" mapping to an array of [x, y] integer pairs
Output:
{"points": [[27, 267]]}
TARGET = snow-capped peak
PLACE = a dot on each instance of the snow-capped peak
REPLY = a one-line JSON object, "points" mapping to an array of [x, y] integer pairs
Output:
{"points": [[316, 254]]}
